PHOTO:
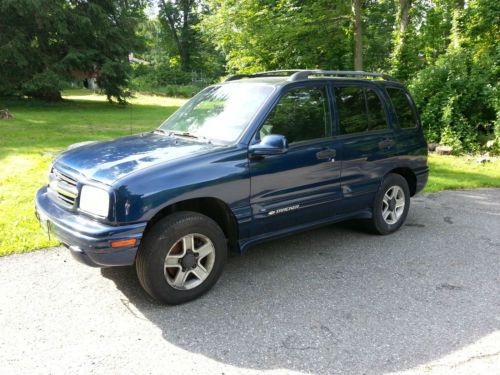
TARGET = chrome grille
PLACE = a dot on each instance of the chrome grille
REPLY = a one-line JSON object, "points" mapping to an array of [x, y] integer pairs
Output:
{"points": [[64, 187]]}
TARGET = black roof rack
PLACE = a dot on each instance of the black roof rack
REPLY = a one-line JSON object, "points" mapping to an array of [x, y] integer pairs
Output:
{"points": [[298, 74], [270, 73], [304, 74]]}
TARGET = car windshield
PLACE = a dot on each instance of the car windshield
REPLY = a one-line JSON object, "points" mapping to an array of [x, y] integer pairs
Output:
{"points": [[218, 113]]}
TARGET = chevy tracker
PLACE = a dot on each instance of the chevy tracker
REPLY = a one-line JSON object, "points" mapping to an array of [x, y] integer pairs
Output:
{"points": [[254, 158]]}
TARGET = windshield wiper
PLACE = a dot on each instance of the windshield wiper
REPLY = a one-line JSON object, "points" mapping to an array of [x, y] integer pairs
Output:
{"points": [[183, 134], [186, 135]]}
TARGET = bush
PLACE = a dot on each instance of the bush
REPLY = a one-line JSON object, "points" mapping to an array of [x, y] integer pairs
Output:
{"points": [[46, 85], [179, 91], [160, 75], [165, 80], [457, 100]]}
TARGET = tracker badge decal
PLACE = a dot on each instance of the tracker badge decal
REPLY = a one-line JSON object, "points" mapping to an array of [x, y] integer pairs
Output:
{"points": [[283, 210]]}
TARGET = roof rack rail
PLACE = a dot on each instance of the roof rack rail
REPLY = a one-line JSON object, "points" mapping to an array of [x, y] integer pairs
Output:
{"points": [[270, 73], [301, 74], [304, 74]]}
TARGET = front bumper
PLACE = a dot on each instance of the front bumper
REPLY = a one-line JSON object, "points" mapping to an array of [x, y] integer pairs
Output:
{"points": [[88, 240]]}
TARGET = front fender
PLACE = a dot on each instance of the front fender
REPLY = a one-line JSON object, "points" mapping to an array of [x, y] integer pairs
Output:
{"points": [[223, 175]]}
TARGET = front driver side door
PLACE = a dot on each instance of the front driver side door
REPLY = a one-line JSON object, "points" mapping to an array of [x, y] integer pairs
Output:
{"points": [[301, 186]]}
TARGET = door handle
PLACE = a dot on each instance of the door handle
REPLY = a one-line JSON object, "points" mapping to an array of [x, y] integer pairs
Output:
{"points": [[386, 143], [326, 153]]}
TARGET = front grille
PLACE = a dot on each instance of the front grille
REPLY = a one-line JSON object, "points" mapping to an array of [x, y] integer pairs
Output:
{"points": [[64, 187]]}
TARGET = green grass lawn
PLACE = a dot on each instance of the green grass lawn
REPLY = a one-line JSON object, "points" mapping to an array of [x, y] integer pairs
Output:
{"points": [[462, 172], [40, 130]]}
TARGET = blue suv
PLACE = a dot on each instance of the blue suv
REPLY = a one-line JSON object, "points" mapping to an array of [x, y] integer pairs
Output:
{"points": [[254, 158]]}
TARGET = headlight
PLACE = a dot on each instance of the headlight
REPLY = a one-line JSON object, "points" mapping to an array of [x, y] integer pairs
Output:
{"points": [[94, 201]]}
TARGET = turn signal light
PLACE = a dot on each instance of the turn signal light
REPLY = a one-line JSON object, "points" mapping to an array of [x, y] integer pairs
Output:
{"points": [[122, 243]]}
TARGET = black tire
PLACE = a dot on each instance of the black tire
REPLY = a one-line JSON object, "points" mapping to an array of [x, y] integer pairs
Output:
{"points": [[150, 262], [378, 224]]}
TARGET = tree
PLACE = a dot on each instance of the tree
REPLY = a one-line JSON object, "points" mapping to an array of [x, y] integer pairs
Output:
{"points": [[379, 18], [403, 55], [358, 35], [458, 92], [180, 16], [404, 15], [43, 43], [256, 35]]}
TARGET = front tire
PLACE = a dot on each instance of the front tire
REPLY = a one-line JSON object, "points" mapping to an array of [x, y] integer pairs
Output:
{"points": [[181, 257], [391, 205]]}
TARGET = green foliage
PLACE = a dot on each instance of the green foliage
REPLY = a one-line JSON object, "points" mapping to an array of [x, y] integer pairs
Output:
{"points": [[434, 25], [178, 38], [379, 17], [46, 84], [181, 60], [158, 48], [160, 75], [456, 99], [493, 146], [405, 59], [458, 92], [176, 91], [43, 42], [256, 35], [165, 80]]}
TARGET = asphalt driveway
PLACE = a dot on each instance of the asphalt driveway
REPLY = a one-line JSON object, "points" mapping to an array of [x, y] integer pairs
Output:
{"points": [[333, 300]]}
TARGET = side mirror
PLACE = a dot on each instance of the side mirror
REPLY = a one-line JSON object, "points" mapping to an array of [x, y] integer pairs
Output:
{"points": [[272, 144]]}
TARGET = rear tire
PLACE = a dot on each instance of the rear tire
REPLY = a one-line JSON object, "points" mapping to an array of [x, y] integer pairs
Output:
{"points": [[391, 205], [181, 257]]}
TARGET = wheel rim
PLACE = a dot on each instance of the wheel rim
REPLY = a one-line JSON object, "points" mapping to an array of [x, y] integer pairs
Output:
{"points": [[189, 261], [393, 204]]}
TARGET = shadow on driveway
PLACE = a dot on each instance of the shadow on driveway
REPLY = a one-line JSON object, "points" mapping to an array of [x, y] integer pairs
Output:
{"points": [[338, 300]]}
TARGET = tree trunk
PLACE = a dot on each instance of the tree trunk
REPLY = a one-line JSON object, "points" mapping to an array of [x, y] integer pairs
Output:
{"points": [[180, 34], [399, 68], [404, 15], [455, 37], [186, 35], [358, 35], [403, 20]]}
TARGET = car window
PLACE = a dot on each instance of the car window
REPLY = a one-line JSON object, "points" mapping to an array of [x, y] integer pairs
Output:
{"points": [[351, 109], [301, 114], [219, 113], [376, 111], [359, 110], [407, 118]]}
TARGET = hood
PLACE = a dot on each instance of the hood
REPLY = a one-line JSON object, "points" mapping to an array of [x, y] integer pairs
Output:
{"points": [[107, 162]]}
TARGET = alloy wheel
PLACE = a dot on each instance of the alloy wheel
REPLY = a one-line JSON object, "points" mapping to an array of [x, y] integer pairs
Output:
{"points": [[189, 261], [393, 204]]}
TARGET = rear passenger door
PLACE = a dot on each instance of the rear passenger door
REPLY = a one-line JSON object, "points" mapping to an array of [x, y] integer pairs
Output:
{"points": [[368, 142]]}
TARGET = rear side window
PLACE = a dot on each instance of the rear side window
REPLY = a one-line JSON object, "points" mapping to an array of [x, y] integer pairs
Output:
{"points": [[359, 110], [351, 109], [407, 118], [300, 115], [376, 112]]}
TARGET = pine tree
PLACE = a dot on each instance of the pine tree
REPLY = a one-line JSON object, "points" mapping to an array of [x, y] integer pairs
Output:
{"points": [[44, 42]]}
